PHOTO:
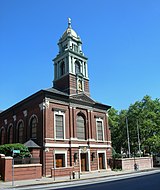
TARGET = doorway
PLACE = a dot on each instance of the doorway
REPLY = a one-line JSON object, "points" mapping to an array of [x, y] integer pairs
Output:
{"points": [[84, 162], [101, 160]]}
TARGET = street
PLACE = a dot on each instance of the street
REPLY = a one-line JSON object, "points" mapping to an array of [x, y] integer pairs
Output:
{"points": [[148, 182]]}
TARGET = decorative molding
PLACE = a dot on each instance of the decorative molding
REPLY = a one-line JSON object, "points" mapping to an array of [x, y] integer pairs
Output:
{"points": [[5, 121], [91, 140], [41, 106], [25, 113], [14, 118], [57, 145], [99, 117], [82, 140], [59, 110], [44, 105], [46, 149], [73, 139]]}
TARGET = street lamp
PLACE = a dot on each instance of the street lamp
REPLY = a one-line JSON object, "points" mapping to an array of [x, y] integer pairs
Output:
{"points": [[139, 142], [129, 150]]}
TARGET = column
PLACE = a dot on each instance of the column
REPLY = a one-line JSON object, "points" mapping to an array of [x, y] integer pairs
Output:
{"points": [[74, 122]]}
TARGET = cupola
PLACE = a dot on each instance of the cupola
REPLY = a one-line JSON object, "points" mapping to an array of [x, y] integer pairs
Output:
{"points": [[70, 65]]}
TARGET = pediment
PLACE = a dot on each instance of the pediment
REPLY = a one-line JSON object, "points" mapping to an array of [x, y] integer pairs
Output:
{"points": [[83, 97]]}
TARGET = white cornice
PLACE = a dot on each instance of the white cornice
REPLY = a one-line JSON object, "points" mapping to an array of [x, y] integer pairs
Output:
{"points": [[55, 145]]}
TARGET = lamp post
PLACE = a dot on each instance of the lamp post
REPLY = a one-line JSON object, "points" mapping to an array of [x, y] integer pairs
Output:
{"points": [[139, 142], [129, 151]]}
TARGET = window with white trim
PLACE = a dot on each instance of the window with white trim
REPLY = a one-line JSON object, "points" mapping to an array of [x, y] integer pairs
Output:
{"points": [[81, 129], [62, 69], [77, 67], [60, 158], [100, 129], [59, 125]]}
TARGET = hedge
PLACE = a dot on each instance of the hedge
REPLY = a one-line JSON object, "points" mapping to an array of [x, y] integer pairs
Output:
{"points": [[7, 150]]}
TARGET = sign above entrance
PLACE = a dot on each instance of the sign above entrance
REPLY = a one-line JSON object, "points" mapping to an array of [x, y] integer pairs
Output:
{"points": [[84, 149]]}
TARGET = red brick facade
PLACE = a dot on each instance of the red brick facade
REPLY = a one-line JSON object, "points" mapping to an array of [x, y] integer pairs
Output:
{"points": [[43, 105], [18, 172], [68, 84], [70, 128]]}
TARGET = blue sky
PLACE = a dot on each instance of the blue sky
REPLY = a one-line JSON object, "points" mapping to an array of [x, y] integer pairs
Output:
{"points": [[121, 39]]}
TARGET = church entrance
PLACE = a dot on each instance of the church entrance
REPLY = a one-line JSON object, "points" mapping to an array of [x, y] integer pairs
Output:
{"points": [[101, 160], [84, 162]]}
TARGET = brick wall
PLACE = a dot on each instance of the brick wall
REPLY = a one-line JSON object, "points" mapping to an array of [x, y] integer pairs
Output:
{"points": [[6, 168], [63, 172], [94, 160], [18, 111], [21, 172], [27, 171], [129, 163]]}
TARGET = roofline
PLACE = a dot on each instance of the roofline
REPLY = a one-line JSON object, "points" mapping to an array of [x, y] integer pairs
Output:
{"points": [[22, 102], [70, 51], [102, 106], [64, 97]]}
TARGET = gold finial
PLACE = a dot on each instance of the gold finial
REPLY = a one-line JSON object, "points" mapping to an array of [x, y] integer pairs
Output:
{"points": [[69, 23]]}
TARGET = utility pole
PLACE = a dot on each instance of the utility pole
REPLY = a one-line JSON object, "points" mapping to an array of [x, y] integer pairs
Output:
{"points": [[139, 142], [129, 151]]}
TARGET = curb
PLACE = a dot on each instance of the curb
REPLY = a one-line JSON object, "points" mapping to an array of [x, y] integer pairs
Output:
{"points": [[65, 181]]}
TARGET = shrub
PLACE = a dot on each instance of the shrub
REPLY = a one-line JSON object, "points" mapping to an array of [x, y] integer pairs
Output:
{"points": [[7, 150], [115, 154]]}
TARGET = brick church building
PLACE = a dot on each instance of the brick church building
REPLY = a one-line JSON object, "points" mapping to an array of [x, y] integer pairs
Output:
{"points": [[70, 129]]}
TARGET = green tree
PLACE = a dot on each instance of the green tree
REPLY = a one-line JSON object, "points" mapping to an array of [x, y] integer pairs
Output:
{"points": [[118, 131], [145, 115], [7, 150]]}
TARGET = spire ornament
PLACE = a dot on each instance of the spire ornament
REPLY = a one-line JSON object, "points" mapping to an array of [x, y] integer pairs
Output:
{"points": [[69, 22]]}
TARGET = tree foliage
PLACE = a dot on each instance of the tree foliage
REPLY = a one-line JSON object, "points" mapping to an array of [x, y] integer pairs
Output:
{"points": [[144, 118], [7, 150]]}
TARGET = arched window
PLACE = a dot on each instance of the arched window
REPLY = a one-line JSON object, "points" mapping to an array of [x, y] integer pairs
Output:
{"points": [[33, 127], [81, 128], [20, 132], [59, 125], [77, 67], [100, 129], [2, 136], [62, 69], [10, 134]]}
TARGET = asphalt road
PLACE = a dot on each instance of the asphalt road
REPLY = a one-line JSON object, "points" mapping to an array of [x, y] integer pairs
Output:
{"points": [[147, 182]]}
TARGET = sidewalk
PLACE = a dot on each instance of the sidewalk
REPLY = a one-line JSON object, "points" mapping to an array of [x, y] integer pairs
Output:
{"points": [[48, 180]]}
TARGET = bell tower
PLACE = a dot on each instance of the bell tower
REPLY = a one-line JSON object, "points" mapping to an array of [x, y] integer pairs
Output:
{"points": [[70, 65]]}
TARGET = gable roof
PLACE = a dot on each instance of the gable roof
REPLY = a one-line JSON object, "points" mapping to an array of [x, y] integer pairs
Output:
{"points": [[55, 91], [80, 99], [83, 97], [31, 144]]}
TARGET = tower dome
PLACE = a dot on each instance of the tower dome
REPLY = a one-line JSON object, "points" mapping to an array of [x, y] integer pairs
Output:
{"points": [[69, 31]]}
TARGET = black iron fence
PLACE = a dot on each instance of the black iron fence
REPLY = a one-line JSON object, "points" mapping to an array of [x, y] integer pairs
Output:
{"points": [[26, 161]]}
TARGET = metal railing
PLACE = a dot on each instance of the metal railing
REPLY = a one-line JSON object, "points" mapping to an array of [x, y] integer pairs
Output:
{"points": [[26, 161]]}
